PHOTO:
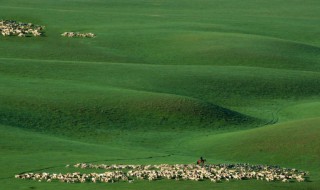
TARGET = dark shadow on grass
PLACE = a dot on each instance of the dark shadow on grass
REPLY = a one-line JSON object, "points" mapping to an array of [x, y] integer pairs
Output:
{"points": [[307, 179]]}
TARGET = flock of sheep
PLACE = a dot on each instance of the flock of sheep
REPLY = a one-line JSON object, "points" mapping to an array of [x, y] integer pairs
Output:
{"points": [[214, 173], [78, 34], [14, 28]]}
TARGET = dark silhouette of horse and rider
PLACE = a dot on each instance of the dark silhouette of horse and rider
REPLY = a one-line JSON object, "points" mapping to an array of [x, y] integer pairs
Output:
{"points": [[201, 161]]}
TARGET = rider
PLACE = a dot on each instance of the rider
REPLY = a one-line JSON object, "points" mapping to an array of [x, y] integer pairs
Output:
{"points": [[201, 161]]}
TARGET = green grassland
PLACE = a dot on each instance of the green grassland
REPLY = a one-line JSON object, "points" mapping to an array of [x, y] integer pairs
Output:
{"points": [[163, 82]]}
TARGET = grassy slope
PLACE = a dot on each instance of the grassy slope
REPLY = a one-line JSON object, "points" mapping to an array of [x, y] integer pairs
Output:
{"points": [[177, 32], [292, 144], [300, 110], [34, 151], [195, 90], [50, 104], [161, 64]]}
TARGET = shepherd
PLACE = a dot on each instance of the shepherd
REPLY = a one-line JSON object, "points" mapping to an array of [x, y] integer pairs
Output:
{"points": [[201, 161]]}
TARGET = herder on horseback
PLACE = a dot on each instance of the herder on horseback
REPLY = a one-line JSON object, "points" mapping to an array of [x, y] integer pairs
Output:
{"points": [[201, 161]]}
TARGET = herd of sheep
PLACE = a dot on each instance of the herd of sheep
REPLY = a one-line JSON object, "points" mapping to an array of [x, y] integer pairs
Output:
{"points": [[78, 34], [214, 173], [14, 28]]}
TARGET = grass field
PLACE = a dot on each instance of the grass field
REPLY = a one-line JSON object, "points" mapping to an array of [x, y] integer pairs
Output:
{"points": [[163, 82]]}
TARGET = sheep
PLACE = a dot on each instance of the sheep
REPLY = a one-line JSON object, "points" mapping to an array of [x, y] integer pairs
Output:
{"points": [[21, 35], [13, 28], [36, 33], [214, 173], [78, 34]]}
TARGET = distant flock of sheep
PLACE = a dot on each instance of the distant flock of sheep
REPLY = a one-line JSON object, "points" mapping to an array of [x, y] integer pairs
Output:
{"points": [[14, 28], [214, 173], [78, 34]]}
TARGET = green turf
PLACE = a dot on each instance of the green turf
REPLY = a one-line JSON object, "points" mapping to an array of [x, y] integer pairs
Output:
{"points": [[171, 80], [309, 109], [256, 146]]}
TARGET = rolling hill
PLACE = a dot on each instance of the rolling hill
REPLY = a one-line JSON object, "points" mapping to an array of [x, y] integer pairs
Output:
{"points": [[163, 82]]}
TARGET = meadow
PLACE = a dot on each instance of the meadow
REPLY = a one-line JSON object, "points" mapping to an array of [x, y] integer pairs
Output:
{"points": [[162, 82]]}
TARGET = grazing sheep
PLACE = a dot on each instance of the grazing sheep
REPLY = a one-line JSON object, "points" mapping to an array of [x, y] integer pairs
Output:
{"points": [[21, 35], [214, 173], [78, 34], [13, 28]]}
